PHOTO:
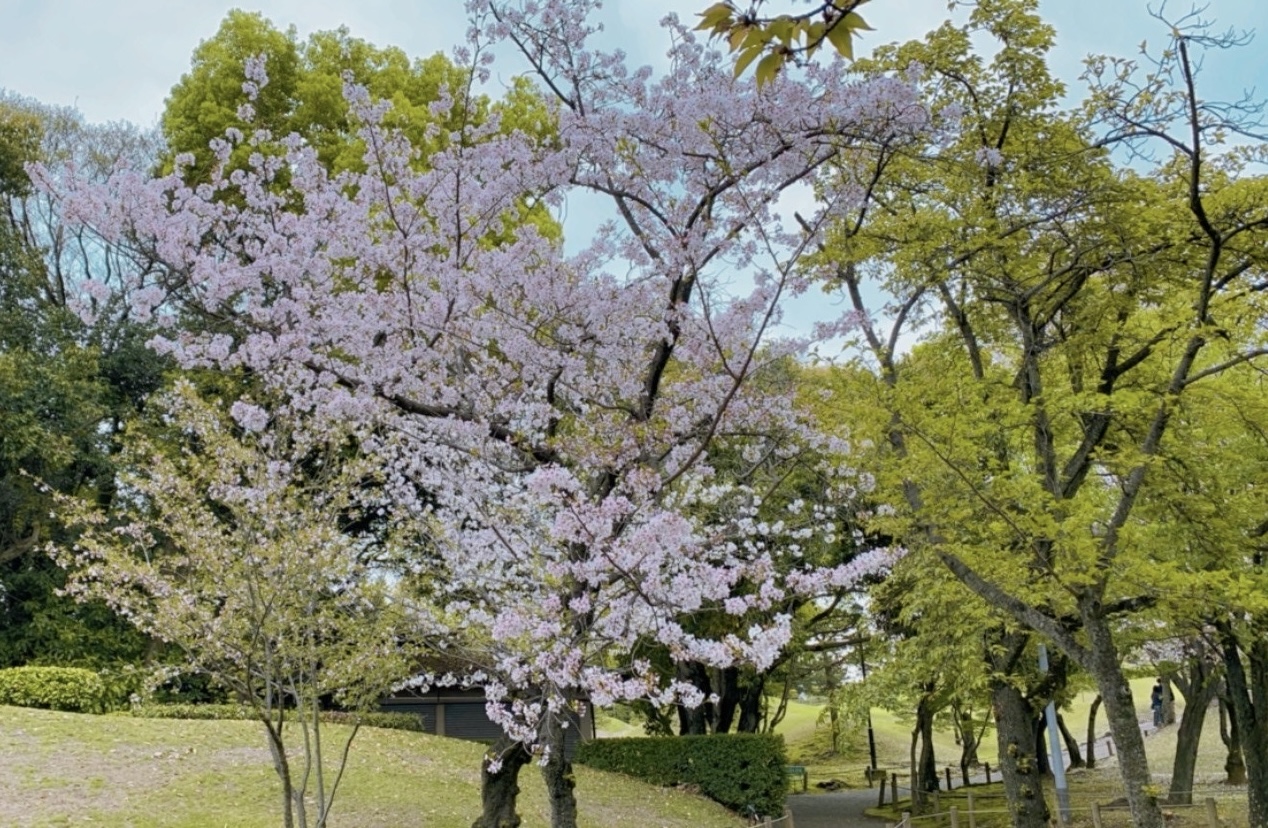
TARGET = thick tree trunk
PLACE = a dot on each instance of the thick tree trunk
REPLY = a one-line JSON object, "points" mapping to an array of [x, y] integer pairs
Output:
{"points": [[928, 761], [751, 706], [728, 690], [1091, 732], [1234, 765], [1120, 710], [694, 721], [1038, 735], [1201, 690], [499, 791], [1071, 743], [557, 774], [1247, 685], [1023, 785]]}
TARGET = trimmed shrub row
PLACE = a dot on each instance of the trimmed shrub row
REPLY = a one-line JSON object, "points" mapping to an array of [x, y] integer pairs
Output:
{"points": [[744, 772], [393, 721], [71, 689]]}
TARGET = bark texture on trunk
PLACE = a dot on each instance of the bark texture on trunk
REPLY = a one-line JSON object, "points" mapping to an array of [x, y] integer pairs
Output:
{"points": [[1247, 685], [499, 792], [1234, 765], [558, 776], [1120, 710], [1023, 783], [1197, 686]]}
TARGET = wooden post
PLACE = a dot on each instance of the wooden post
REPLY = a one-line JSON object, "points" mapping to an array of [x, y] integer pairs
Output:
{"points": [[906, 823], [788, 818], [893, 787], [988, 773], [948, 770], [766, 823], [881, 803], [867, 774], [1212, 814], [937, 802], [972, 815], [955, 817], [1096, 815], [1109, 747]]}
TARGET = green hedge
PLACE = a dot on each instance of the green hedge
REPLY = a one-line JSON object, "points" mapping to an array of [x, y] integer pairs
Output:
{"points": [[72, 689], [744, 772], [393, 721]]}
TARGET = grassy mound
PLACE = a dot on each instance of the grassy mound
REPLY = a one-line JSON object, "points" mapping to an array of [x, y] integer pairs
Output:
{"points": [[68, 768]]}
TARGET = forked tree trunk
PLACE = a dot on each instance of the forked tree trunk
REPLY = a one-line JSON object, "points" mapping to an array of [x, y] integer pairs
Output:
{"points": [[1234, 764], [499, 791], [1023, 784], [1198, 690]]}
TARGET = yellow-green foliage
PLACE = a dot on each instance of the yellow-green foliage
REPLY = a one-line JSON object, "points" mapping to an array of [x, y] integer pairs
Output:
{"points": [[71, 689]]}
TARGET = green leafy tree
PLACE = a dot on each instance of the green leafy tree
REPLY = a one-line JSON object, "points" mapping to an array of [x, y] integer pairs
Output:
{"points": [[1069, 303], [65, 385], [773, 40]]}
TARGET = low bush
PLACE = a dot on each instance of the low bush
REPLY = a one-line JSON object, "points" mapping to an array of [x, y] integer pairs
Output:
{"points": [[744, 772], [392, 721], [71, 689]]}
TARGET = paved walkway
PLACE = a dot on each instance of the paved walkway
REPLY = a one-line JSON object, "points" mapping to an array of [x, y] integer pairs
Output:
{"points": [[842, 809]]}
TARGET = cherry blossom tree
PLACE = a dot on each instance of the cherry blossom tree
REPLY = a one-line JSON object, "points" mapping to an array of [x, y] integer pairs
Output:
{"points": [[545, 417]]}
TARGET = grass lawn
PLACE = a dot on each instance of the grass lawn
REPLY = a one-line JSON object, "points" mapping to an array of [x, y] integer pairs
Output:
{"points": [[61, 769]]}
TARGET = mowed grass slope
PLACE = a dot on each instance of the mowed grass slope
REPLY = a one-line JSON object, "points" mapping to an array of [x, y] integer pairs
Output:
{"points": [[68, 769]]}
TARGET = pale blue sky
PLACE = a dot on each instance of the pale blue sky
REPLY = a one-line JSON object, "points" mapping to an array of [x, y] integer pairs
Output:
{"points": [[117, 59]]}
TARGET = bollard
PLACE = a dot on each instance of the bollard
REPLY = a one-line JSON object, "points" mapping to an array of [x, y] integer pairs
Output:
{"points": [[955, 817], [972, 816], [948, 770], [1212, 814], [988, 773], [881, 803], [1109, 747], [1096, 816]]}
